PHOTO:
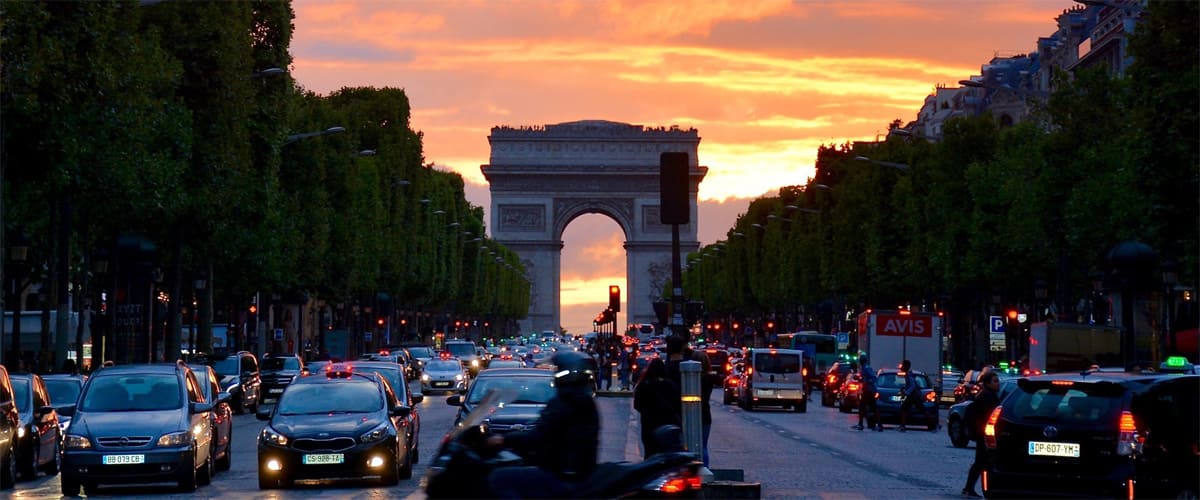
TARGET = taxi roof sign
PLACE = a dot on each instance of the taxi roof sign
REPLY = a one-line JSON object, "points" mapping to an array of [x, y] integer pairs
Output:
{"points": [[1177, 361]]}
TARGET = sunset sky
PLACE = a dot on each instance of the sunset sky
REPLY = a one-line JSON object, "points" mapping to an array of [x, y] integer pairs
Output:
{"points": [[764, 82]]}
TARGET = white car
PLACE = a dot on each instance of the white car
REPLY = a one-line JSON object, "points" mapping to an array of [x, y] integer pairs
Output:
{"points": [[443, 374]]}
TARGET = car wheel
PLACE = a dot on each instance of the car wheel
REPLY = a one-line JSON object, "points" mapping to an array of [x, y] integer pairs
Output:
{"points": [[187, 476], [91, 489], [55, 465], [8, 468], [727, 400], [225, 461], [406, 470], [826, 399], [843, 407], [802, 407], [206, 470], [27, 469], [70, 488], [239, 406], [958, 436]]}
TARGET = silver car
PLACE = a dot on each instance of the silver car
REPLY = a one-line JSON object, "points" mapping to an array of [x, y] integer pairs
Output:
{"points": [[443, 374]]}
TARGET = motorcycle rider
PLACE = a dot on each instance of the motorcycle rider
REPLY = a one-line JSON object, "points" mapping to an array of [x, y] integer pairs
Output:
{"points": [[562, 446]]}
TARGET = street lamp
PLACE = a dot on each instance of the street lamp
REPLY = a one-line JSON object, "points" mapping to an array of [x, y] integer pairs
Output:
{"points": [[903, 167], [365, 152], [18, 252], [1170, 278], [267, 72], [329, 131]]}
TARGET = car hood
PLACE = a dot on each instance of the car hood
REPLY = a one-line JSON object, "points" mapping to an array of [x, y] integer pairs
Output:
{"points": [[125, 423], [335, 425]]}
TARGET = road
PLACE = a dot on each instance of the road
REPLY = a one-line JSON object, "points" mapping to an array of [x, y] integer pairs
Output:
{"points": [[792, 455]]}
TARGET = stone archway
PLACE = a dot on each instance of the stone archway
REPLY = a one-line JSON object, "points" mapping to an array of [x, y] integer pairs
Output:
{"points": [[542, 178]]}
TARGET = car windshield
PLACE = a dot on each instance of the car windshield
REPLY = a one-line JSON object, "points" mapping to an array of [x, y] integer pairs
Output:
{"points": [[526, 389], [420, 352], [21, 393], [63, 392], [276, 364], [461, 349], [352, 396], [227, 366], [896, 381], [774, 362], [132, 392], [1079, 403], [443, 365]]}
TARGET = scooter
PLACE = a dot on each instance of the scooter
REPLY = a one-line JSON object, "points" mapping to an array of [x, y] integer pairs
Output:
{"points": [[463, 463]]}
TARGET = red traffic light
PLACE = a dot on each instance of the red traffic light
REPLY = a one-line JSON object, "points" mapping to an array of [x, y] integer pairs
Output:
{"points": [[614, 298], [253, 308], [380, 321], [1012, 314]]}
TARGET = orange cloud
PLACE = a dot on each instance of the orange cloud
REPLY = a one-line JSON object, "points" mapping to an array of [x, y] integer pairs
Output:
{"points": [[666, 18]]}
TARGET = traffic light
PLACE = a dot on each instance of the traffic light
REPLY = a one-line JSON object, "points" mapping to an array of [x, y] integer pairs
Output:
{"points": [[614, 298], [380, 321], [252, 319]]}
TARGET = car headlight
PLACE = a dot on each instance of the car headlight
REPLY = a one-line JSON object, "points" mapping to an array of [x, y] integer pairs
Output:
{"points": [[270, 436], [180, 438], [458, 377], [424, 377], [76, 442], [475, 363], [379, 432]]}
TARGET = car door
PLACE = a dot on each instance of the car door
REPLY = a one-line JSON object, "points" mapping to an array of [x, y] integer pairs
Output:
{"points": [[250, 378], [222, 414], [46, 423], [399, 422], [198, 420]]}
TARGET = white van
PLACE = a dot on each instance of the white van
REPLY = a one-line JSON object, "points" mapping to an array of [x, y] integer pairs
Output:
{"points": [[774, 377]]}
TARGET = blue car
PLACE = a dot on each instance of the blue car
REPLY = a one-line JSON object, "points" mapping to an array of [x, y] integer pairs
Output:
{"points": [[888, 386]]}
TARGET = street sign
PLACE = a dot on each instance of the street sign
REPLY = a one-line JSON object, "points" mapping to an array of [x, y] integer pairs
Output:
{"points": [[367, 336], [843, 340], [279, 334], [996, 324]]}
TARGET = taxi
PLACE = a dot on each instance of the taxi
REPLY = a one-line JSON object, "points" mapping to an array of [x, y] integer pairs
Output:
{"points": [[444, 373], [340, 425]]}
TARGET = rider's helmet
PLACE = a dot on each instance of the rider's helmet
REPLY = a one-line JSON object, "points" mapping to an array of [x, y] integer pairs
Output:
{"points": [[572, 369]]}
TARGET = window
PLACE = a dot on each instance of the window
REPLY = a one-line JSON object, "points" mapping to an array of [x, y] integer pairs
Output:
{"points": [[248, 364], [533, 390], [21, 391], [63, 392], [767, 362], [360, 396]]}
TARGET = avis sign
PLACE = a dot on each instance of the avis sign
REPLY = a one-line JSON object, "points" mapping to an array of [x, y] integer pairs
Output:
{"points": [[903, 325]]}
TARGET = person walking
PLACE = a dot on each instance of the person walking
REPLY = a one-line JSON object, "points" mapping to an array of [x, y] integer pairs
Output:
{"points": [[866, 399], [623, 366], [976, 418], [912, 396], [656, 399]]}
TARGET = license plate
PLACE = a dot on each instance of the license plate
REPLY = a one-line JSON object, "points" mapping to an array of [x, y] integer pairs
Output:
{"points": [[897, 398], [1044, 449], [324, 458], [441, 384], [123, 459], [274, 391], [764, 393]]}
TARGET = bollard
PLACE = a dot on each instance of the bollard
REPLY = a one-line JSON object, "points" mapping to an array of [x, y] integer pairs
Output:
{"points": [[689, 395]]}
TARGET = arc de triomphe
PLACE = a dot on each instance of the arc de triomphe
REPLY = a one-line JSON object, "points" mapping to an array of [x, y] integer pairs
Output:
{"points": [[542, 178]]}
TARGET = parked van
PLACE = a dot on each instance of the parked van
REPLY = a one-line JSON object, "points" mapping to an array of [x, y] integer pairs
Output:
{"points": [[774, 377]]}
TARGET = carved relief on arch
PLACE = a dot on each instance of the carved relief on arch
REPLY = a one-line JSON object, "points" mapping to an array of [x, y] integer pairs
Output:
{"points": [[658, 274], [620, 209], [529, 276]]}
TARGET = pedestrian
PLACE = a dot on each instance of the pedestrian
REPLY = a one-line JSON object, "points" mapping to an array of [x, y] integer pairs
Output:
{"points": [[677, 353], [867, 407], [606, 372], [976, 418], [656, 399], [623, 367], [912, 396]]}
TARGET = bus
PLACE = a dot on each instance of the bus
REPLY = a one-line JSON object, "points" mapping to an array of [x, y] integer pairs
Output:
{"points": [[822, 348]]}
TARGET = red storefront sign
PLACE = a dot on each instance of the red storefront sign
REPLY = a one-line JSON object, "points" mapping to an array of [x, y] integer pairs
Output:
{"points": [[903, 325]]}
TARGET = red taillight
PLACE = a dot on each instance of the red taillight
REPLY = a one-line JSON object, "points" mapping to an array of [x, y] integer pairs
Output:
{"points": [[831, 378], [852, 387], [930, 396], [804, 372], [989, 430], [1127, 424], [679, 484], [1128, 440]]}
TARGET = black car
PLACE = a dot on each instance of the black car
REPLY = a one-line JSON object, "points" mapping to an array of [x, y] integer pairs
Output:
{"points": [[146, 423], [888, 385], [956, 428], [335, 425], [238, 375], [418, 356], [10, 421], [394, 374], [64, 390], [277, 371], [530, 389], [222, 416], [1104, 434], [39, 437], [832, 383]]}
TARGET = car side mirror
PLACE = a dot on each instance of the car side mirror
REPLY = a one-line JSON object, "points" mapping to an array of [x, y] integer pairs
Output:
{"points": [[223, 397], [200, 407], [264, 412], [454, 400], [417, 398], [401, 411], [67, 411]]}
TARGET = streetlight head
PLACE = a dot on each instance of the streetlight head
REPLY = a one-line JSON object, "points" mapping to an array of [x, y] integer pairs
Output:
{"points": [[425, 201], [822, 186], [335, 130], [861, 158], [439, 212], [365, 152]]}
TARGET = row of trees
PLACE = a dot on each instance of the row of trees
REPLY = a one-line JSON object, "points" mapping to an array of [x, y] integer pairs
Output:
{"points": [[987, 211], [175, 121]]}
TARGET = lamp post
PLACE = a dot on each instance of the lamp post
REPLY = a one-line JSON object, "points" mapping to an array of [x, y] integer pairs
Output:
{"points": [[198, 284], [18, 252], [329, 131], [1170, 278], [903, 167]]}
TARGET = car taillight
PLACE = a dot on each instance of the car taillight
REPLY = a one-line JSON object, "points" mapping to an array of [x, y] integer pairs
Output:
{"points": [[677, 484], [804, 372], [930, 396], [1128, 442], [989, 430]]}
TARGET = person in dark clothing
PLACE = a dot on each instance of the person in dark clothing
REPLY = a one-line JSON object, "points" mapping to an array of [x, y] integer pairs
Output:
{"points": [[656, 399], [866, 400], [912, 396], [678, 352], [562, 446], [976, 417]]}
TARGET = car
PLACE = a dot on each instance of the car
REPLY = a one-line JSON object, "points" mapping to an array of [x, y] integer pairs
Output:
{"points": [[419, 355], [850, 393], [138, 423], [832, 382], [528, 392], [339, 424], [64, 389], [466, 353], [10, 421], [947, 386], [718, 358], [732, 385], [238, 374], [956, 427], [774, 377], [222, 416], [505, 362], [395, 376], [1130, 435], [39, 438], [444, 374], [278, 370], [888, 399]]}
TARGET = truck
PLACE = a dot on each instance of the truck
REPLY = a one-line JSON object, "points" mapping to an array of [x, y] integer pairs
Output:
{"points": [[889, 337], [1072, 347]]}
